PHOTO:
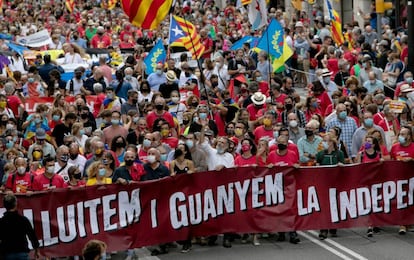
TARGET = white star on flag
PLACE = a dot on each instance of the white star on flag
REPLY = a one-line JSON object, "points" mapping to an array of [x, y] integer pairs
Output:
{"points": [[177, 31]]}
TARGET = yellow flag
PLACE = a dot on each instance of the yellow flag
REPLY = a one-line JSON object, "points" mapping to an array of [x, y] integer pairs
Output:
{"points": [[297, 4]]}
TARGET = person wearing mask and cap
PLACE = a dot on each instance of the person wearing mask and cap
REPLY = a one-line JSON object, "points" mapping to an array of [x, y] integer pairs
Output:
{"points": [[408, 79], [169, 86], [40, 140], [49, 179], [100, 39], [156, 78], [328, 84], [258, 99]]}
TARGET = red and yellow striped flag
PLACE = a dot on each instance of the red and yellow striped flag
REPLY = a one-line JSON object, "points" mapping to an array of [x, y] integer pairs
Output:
{"points": [[246, 2], [146, 14], [190, 39], [70, 5], [336, 26]]}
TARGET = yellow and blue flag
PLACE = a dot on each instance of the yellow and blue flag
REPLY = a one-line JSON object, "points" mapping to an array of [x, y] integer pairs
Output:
{"points": [[239, 44], [156, 55], [272, 39]]}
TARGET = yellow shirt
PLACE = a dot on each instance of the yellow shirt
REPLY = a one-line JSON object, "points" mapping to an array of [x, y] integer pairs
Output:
{"points": [[93, 181]]}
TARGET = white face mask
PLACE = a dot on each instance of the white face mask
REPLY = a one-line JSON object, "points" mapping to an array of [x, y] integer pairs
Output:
{"points": [[50, 169], [175, 99], [151, 158], [293, 123], [21, 170]]}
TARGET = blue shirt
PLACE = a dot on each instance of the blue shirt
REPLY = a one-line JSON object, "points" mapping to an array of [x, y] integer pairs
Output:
{"points": [[348, 127], [155, 80]]}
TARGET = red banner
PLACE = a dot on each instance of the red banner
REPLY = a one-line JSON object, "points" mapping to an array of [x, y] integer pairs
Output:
{"points": [[31, 103], [240, 200]]}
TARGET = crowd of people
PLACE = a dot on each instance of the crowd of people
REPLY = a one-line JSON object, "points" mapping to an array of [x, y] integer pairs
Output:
{"points": [[182, 119]]}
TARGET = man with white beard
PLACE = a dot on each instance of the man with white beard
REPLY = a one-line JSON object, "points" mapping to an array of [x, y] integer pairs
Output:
{"points": [[222, 72]]}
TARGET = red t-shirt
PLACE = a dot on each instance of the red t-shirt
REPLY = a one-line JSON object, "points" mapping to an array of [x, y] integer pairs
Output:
{"points": [[20, 184], [13, 102], [171, 141], [404, 53], [41, 182], [378, 117], [397, 88], [142, 155], [98, 103], [264, 88], [102, 42], [152, 116], [383, 124], [241, 161], [289, 159], [208, 43], [260, 131], [253, 110], [398, 152], [324, 101]]}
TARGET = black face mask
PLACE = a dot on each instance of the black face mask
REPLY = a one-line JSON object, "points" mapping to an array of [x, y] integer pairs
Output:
{"points": [[75, 37], [64, 158], [73, 156], [79, 107], [185, 122], [77, 176], [3, 122], [187, 74], [281, 146], [119, 145], [214, 84], [84, 116], [134, 101], [78, 76], [230, 131], [195, 104], [159, 107], [288, 106], [129, 162], [308, 133]]}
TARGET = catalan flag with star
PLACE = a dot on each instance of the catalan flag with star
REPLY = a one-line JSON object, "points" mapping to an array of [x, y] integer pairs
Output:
{"points": [[336, 28], [147, 14], [70, 5], [185, 32]]}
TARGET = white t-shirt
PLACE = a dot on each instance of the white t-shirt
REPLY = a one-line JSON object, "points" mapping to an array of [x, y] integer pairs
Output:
{"points": [[77, 84], [214, 159], [64, 171]]}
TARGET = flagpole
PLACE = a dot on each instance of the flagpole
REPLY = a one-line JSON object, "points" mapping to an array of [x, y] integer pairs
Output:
{"points": [[198, 64], [269, 60]]}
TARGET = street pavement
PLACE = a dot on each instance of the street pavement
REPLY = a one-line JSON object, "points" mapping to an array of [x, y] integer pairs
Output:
{"points": [[349, 245]]}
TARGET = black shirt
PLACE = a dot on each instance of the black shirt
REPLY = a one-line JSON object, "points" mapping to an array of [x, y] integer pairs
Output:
{"points": [[166, 89], [153, 174], [14, 229], [59, 132]]}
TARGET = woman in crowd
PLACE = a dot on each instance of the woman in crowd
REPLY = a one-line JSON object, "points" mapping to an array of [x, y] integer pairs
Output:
{"points": [[78, 132], [335, 132], [370, 152], [181, 165], [118, 146], [247, 156], [97, 174], [75, 177], [145, 93]]}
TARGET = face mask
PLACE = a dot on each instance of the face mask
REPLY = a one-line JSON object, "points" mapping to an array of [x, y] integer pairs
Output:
{"points": [[281, 147], [342, 115], [163, 157], [326, 80], [364, 65], [185, 122], [9, 144], [146, 143], [293, 123], [159, 72], [110, 96], [315, 104], [128, 77], [102, 172], [64, 158], [165, 132], [38, 121], [309, 133], [9, 126], [50, 169], [120, 144], [409, 80], [267, 122], [175, 99], [115, 121], [73, 156], [159, 107], [194, 104], [258, 79], [347, 67], [325, 145], [220, 150], [189, 143], [368, 146], [37, 155], [288, 106], [84, 116], [368, 122], [401, 139], [275, 134], [3, 104], [77, 176], [230, 131], [373, 82], [245, 147], [151, 158], [98, 152], [55, 118], [202, 115], [21, 170], [195, 119], [78, 76], [238, 132], [129, 162]]}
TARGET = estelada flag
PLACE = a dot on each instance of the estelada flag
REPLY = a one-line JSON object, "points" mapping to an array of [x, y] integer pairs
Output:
{"points": [[108, 4], [146, 14]]}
